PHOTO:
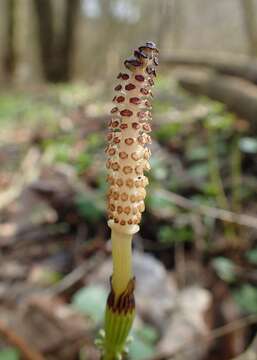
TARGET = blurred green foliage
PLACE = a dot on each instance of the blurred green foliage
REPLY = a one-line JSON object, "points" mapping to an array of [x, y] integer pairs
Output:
{"points": [[44, 105], [246, 298], [225, 268], [248, 145], [143, 344], [167, 131], [90, 208], [251, 256], [170, 235], [9, 353], [91, 301]]}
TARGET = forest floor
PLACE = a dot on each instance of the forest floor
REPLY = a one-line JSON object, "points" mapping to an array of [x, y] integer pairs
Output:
{"points": [[195, 255]]}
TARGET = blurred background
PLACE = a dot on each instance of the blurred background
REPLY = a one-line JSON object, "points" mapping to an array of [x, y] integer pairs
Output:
{"points": [[195, 256]]}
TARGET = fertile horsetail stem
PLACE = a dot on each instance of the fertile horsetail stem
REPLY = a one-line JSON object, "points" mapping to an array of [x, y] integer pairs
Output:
{"points": [[127, 161]]}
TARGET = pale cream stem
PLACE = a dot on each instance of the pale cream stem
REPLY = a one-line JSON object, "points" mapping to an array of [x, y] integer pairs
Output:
{"points": [[122, 261]]}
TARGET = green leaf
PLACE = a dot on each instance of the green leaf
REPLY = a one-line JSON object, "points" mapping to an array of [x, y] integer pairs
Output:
{"points": [[246, 298], [248, 145], [12, 105], [90, 208], [94, 141], [45, 276], [147, 333], [210, 189], [222, 121], [140, 350], [143, 344], [91, 301], [251, 256], [168, 234], [167, 131], [199, 171], [59, 152], [156, 201], [225, 268], [83, 161], [216, 107], [9, 354], [159, 169], [197, 153]]}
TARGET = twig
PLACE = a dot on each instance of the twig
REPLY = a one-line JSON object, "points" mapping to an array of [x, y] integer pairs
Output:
{"points": [[215, 334], [232, 326], [27, 351], [205, 210]]}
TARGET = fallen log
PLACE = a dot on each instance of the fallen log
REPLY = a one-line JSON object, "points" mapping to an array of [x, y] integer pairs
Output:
{"points": [[239, 95], [227, 64]]}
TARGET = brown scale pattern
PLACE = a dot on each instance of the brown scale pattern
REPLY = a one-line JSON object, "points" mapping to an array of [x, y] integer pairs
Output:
{"points": [[128, 137]]}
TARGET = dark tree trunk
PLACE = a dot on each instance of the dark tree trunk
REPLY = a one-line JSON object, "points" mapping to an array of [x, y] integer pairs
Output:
{"points": [[45, 34], [249, 20], [56, 49], [67, 41], [10, 55]]}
